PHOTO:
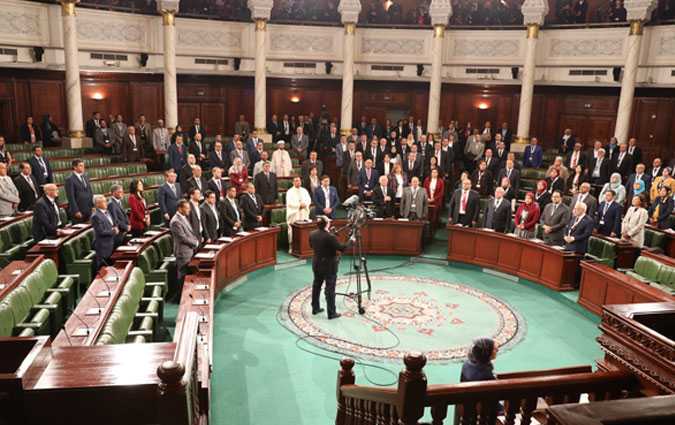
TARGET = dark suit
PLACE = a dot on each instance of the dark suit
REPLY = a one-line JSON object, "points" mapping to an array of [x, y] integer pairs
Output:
{"points": [[210, 222], [665, 210], [132, 152], [497, 219], [646, 178], [417, 169], [637, 155], [590, 201], [307, 165], [472, 208], [177, 159], [324, 266], [27, 194], [274, 128], [222, 162], [565, 147], [603, 175], [320, 201], [580, 232], [514, 178], [251, 210], [533, 156], [193, 131], [80, 197], [482, 182], [229, 216], [196, 221], [493, 167], [168, 200], [383, 209], [194, 183], [557, 218], [266, 187], [45, 219], [39, 172], [197, 149], [367, 184], [104, 238], [212, 185], [120, 219], [608, 221], [625, 167], [581, 160]]}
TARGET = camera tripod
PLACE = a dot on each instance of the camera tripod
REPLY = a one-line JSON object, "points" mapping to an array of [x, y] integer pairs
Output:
{"points": [[359, 267]]}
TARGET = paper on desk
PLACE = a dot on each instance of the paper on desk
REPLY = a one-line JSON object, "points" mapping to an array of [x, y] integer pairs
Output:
{"points": [[16, 272], [79, 226], [403, 219], [243, 233], [487, 229], [139, 240], [152, 233], [262, 229], [49, 242], [213, 246], [378, 219], [127, 248], [225, 239], [205, 255], [537, 240], [558, 247]]}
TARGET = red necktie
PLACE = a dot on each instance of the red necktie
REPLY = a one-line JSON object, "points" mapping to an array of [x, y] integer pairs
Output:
{"points": [[465, 197]]}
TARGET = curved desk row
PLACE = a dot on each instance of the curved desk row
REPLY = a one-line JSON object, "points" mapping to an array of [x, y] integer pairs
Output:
{"points": [[379, 236], [535, 261]]}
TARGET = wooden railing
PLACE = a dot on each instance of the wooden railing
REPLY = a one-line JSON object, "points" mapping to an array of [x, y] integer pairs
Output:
{"points": [[474, 402], [178, 401]]}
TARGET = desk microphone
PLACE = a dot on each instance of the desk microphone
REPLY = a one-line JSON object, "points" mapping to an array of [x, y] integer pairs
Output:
{"points": [[65, 332], [204, 317], [99, 309], [105, 282], [86, 329]]}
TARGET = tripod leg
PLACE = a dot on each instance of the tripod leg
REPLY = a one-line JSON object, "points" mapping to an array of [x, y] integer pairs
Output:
{"points": [[365, 271]]}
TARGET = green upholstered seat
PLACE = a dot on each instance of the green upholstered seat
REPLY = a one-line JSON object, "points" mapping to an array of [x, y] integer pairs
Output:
{"points": [[20, 303], [78, 258], [646, 269], [654, 239], [601, 251], [119, 322], [533, 173]]}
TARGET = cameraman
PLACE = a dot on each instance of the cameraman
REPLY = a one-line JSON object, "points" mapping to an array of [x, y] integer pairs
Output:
{"points": [[325, 264]]}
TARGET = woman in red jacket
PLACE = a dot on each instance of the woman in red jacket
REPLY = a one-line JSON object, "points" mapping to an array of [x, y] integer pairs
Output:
{"points": [[238, 175], [139, 219], [527, 216], [434, 186]]}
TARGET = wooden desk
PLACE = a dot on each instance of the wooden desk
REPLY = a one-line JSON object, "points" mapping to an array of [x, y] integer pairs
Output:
{"points": [[538, 262], [601, 285], [92, 312], [52, 251], [626, 252], [669, 246], [135, 247], [380, 237], [15, 272], [238, 257]]}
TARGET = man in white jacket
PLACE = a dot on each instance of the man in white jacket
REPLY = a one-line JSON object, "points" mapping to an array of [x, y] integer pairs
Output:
{"points": [[281, 161], [297, 206], [9, 195]]}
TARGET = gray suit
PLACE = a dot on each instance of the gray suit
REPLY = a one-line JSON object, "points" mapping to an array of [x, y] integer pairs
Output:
{"points": [[300, 144], [420, 201], [9, 197], [590, 201], [243, 155], [557, 218], [184, 242], [117, 132]]}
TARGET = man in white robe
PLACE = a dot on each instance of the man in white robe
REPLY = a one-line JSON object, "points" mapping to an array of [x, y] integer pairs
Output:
{"points": [[297, 206], [281, 161]]}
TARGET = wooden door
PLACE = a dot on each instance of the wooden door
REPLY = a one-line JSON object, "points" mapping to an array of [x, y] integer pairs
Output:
{"points": [[187, 112], [213, 117]]}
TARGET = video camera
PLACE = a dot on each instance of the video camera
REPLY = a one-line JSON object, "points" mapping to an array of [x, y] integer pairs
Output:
{"points": [[357, 213]]}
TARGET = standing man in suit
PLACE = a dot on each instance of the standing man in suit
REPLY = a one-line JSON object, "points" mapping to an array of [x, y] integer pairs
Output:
{"points": [[46, 218], [507, 135], [217, 185], [274, 128], [312, 161], [599, 169], [608, 216], [252, 206], [622, 162], [240, 152], [414, 202], [578, 230], [464, 205], [367, 180], [482, 180], [576, 157], [230, 212], [161, 140], [105, 232], [266, 184], [534, 154], [513, 175], [118, 132], [198, 128], [354, 171], [300, 143], [555, 217], [210, 217], [198, 149], [218, 157], [10, 198], [177, 154], [242, 127], [325, 265], [92, 124], [634, 151], [144, 135], [197, 181], [567, 142], [639, 174], [413, 166], [116, 210], [498, 212], [184, 241], [27, 185], [168, 195], [40, 167], [383, 198], [195, 216], [132, 150], [585, 197], [79, 194], [326, 199]]}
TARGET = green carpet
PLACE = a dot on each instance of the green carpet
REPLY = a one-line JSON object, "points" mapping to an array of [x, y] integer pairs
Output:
{"points": [[261, 377]]}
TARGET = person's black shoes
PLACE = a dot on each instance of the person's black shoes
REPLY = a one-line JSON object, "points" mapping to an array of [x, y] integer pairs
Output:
{"points": [[334, 316], [315, 312]]}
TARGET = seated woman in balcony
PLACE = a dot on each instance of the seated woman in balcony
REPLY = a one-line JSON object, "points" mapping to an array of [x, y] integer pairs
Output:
{"points": [[527, 216]]}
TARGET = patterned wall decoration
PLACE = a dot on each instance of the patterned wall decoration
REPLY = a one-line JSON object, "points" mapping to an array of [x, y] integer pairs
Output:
{"points": [[110, 31], [386, 46], [301, 43], [486, 48], [604, 47], [20, 23], [209, 38], [666, 46]]}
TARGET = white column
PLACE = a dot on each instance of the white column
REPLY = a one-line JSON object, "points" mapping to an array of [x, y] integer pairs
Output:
{"points": [[168, 9], [440, 11], [346, 111], [349, 14], [260, 120], [73, 90], [630, 69], [527, 85], [435, 84]]}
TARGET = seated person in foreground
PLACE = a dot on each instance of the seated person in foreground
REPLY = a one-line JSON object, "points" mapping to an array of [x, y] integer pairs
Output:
{"points": [[578, 230]]}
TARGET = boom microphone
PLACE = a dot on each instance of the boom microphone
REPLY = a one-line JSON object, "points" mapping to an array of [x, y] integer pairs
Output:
{"points": [[351, 202]]}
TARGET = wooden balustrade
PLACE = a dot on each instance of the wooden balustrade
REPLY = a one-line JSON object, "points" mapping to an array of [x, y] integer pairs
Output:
{"points": [[178, 392], [474, 402]]}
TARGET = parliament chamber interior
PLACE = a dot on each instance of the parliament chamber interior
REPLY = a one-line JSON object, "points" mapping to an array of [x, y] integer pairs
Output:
{"points": [[359, 212]]}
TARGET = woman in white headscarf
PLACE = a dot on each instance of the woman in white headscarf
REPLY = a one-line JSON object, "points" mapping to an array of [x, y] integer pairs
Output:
{"points": [[615, 185]]}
